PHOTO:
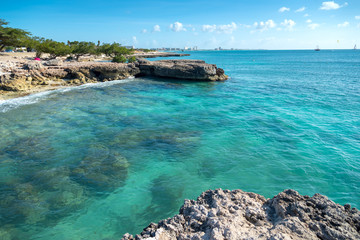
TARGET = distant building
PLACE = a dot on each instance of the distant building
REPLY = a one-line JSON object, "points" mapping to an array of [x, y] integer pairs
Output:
{"points": [[130, 47]]}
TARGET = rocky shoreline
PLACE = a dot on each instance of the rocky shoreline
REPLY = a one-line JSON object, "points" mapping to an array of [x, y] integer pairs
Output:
{"points": [[224, 214], [159, 54], [19, 78]]}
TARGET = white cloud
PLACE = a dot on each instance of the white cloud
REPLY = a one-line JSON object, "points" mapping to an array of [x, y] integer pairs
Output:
{"points": [[177, 27], [301, 9], [331, 5], [262, 26], [227, 28], [208, 28], [313, 26], [144, 31], [306, 15], [344, 24], [156, 28], [246, 26], [288, 24], [309, 21], [357, 17], [284, 9], [358, 25], [134, 40]]}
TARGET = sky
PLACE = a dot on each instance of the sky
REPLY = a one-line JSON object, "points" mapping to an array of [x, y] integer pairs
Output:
{"points": [[239, 24]]}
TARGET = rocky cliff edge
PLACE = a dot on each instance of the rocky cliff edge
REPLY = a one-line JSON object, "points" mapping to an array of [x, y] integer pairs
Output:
{"points": [[224, 214]]}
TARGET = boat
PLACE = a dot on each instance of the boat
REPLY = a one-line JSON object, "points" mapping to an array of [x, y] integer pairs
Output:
{"points": [[355, 47], [317, 48]]}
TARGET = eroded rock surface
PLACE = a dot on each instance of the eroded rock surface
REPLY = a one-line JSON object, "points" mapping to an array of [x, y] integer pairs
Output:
{"points": [[224, 214], [183, 69], [24, 75]]}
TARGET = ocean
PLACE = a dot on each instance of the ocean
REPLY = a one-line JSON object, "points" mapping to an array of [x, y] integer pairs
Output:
{"points": [[104, 159]]}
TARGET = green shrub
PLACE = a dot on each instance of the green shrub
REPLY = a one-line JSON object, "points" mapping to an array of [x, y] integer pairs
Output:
{"points": [[113, 50], [132, 59], [119, 59]]}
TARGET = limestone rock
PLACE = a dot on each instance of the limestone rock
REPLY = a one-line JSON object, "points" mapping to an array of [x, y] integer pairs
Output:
{"points": [[224, 214], [54, 62], [33, 65], [102, 71], [15, 85], [182, 69], [26, 75]]}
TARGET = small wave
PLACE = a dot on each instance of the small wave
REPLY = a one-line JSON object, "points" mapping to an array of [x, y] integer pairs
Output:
{"points": [[6, 105]]}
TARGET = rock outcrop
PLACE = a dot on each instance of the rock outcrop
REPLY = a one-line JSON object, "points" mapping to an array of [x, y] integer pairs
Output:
{"points": [[183, 69], [26, 75], [224, 214]]}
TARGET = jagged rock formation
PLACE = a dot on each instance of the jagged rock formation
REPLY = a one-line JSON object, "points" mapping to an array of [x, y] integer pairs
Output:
{"points": [[26, 75], [183, 69], [34, 73], [224, 214]]}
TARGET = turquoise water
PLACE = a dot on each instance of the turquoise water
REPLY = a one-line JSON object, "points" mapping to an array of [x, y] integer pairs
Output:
{"points": [[100, 160]]}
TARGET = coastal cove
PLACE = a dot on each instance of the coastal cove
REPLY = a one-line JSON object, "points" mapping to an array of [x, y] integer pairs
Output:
{"points": [[24, 76], [284, 119]]}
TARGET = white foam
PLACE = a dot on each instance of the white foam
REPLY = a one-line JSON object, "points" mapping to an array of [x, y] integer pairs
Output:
{"points": [[6, 105]]}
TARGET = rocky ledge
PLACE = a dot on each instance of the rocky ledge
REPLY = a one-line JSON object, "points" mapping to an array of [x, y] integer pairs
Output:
{"points": [[26, 75], [183, 69], [224, 214]]}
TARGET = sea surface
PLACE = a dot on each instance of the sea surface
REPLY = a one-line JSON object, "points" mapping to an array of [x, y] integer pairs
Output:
{"points": [[100, 160]]}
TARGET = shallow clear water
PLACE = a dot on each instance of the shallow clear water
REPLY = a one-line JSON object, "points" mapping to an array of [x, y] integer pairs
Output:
{"points": [[97, 161]]}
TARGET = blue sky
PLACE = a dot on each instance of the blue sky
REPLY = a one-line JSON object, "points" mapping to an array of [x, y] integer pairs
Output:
{"points": [[244, 24]]}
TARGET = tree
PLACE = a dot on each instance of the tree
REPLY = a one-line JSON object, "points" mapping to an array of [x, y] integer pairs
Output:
{"points": [[114, 49], [82, 48], [11, 36], [54, 48]]}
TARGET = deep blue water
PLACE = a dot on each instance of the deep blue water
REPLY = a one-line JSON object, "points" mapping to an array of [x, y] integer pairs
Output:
{"points": [[100, 160]]}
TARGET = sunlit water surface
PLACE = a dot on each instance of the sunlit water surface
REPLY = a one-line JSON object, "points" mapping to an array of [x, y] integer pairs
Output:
{"points": [[100, 160]]}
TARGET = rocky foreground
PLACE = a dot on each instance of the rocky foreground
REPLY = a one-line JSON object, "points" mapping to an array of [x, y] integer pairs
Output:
{"points": [[25, 76], [224, 214]]}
